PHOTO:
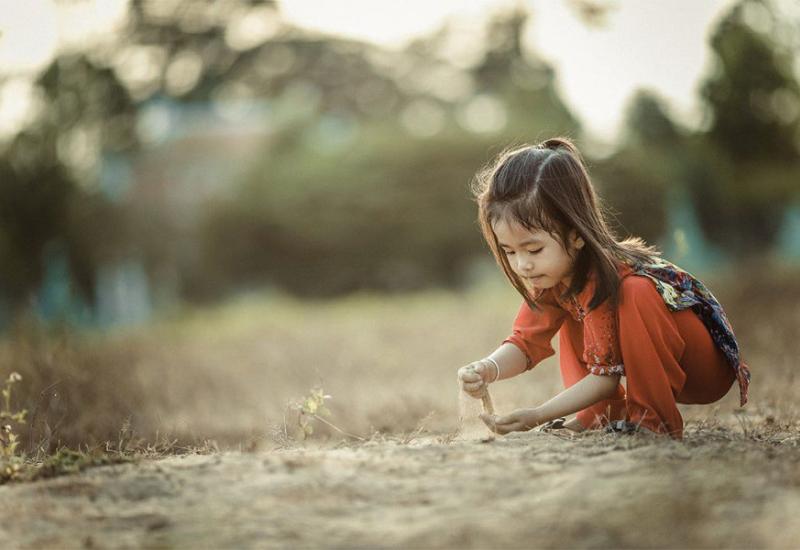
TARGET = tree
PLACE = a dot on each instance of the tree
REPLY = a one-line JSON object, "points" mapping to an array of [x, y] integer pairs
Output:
{"points": [[750, 157]]}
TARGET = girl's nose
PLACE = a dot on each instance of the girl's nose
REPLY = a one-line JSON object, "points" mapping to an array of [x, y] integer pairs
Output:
{"points": [[524, 265]]}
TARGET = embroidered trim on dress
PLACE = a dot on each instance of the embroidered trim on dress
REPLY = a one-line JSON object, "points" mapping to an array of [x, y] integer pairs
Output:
{"points": [[606, 370], [580, 313]]}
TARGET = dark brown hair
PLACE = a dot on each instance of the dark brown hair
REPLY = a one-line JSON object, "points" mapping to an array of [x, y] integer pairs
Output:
{"points": [[547, 187]]}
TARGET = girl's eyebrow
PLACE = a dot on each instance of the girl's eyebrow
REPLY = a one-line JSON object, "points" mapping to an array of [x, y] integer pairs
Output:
{"points": [[523, 243]]}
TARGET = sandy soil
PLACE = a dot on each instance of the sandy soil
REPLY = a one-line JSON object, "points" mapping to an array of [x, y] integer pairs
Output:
{"points": [[537, 490]]}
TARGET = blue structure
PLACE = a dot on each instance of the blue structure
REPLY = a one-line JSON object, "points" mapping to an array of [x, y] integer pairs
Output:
{"points": [[684, 242], [55, 300], [789, 237]]}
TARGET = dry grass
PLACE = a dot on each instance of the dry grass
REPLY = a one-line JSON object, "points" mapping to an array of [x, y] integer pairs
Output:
{"points": [[405, 476], [229, 375]]}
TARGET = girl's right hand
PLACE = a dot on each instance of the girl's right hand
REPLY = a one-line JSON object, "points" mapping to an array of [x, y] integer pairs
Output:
{"points": [[474, 377]]}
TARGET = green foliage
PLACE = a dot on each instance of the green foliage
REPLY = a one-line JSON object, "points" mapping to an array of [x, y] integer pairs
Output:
{"points": [[392, 214], [66, 461], [648, 123], [634, 195], [16, 465], [745, 168], [344, 195], [634, 181], [310, 407], [10, 461], [752, 94], [339, 202], [8, 440]]}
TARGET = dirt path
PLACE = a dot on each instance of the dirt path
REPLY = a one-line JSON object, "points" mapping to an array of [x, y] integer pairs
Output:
{"points": [[525, 490]]}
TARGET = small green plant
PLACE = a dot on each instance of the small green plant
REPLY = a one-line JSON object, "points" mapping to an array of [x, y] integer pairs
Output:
{"points": [[312, 407], [308, 408], [10, 461]]}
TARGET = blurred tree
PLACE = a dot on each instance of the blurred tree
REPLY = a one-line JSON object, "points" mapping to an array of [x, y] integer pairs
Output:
{"points": [[47, 171], [339, 203], [746, 172], [522, 80], [362, 180], [34, 197], [648, 122], [635, 180]]}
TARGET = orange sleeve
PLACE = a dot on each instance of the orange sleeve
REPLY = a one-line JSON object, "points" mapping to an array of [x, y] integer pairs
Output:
{"points": [[534, 329], [601, 351]]}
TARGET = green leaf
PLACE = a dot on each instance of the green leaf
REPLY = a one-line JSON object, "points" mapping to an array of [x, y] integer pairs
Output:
{"points": [[311, 405]]}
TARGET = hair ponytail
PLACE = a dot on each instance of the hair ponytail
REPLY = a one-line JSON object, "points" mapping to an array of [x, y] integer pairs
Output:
{"points": [[565, 145]]}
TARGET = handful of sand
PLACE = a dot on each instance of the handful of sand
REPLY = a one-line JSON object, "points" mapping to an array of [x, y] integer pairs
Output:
{"points": [[469, 424]]}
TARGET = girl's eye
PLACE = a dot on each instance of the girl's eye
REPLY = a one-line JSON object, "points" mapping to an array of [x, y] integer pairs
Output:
{"points": [[511, 252]]}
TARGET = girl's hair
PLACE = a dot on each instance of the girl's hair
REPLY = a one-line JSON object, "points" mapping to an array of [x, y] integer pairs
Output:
{"points": [[547, 187]]}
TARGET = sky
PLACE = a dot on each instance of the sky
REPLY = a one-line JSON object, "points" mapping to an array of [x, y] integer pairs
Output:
{"points": [[658, 44]]}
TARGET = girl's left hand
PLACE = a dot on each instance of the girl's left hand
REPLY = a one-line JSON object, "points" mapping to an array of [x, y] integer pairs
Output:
{"points": [[520, 420]]}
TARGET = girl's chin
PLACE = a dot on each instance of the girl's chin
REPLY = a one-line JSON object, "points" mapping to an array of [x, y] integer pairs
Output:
{"points": [[540, 283]]}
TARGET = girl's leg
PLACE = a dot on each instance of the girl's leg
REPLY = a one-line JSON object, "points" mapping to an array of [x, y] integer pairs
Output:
{"points": [[652, 349], [570, 350], [708, 375]]}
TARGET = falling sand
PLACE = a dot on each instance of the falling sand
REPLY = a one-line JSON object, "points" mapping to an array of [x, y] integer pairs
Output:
{"points": [[470, 426]]}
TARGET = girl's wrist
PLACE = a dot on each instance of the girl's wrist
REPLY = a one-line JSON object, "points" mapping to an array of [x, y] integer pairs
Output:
{"points": [[494, 371], [535, 418]]}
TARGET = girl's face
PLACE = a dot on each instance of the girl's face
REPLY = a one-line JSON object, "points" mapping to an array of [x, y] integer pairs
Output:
{"points": [[537, 257]]}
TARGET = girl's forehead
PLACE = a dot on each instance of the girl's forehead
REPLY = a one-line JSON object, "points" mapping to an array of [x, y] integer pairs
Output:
{"points": [[513, 227]]}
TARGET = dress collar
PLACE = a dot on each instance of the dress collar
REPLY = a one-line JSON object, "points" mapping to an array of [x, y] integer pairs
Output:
{"points": [[578, 305]]}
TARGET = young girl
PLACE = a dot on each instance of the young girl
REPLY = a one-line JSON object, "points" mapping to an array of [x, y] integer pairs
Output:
{"points": [[619, 309]]}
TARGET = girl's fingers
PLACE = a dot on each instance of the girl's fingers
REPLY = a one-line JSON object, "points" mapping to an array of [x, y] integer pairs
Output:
{"points": [[503, 429], [506, 419], [510, 427], [491, 421], [504, 424]]}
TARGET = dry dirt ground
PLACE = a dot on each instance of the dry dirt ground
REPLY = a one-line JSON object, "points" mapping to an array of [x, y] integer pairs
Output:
{"points": [[714, 489]]}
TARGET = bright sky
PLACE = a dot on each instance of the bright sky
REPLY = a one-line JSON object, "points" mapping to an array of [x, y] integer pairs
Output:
{"points": [[658, 44]]}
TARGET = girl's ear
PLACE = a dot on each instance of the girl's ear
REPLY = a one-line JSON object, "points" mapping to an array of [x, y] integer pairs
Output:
{"points": [[577, 240]]}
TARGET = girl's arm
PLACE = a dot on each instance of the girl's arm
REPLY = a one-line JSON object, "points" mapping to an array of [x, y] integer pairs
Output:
{"points": [[510, 360], [587, 391]]}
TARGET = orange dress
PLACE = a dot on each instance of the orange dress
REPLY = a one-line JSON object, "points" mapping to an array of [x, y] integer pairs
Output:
{"points": [[666, 357]]}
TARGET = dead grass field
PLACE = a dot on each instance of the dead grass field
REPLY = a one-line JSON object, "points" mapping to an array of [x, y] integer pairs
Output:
{"points": [[226, 376]]}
